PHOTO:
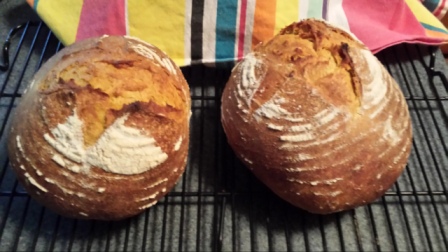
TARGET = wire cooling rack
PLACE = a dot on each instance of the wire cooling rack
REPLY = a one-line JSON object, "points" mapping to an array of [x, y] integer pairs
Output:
{"points": [[218, 205]]}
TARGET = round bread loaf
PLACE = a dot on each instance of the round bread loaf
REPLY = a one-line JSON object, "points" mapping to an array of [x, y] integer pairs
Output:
{"points": [[317, 118], [103, 130]]}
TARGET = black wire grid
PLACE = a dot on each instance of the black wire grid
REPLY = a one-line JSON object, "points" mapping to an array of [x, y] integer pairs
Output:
{"points": [[218, 205]]}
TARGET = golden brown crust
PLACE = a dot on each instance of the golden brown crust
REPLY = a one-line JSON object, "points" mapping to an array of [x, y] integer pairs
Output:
{"points": [[317, 118], [55, 115]]}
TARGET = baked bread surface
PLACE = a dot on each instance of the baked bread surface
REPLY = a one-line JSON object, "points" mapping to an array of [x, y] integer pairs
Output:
{"points": [[317, 118], [103, 130]]}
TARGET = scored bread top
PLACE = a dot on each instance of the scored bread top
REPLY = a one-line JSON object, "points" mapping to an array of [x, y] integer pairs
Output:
{"points": [[89, 93], [319, 57], [108, 81]]}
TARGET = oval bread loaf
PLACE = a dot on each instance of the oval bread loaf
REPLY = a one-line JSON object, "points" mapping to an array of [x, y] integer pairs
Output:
{"points": [[317, 118], [103, 130]]}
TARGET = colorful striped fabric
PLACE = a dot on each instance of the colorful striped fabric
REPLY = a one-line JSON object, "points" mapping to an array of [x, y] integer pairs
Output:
{"points": [[437, 7], [210, 31]]}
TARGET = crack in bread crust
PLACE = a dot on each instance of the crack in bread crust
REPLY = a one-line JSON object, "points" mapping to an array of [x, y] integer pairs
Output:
{"points": [[321, 57], [115, 84]]}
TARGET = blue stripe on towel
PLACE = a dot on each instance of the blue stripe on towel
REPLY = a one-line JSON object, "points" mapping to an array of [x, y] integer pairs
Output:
{"points": [[226, 29]]}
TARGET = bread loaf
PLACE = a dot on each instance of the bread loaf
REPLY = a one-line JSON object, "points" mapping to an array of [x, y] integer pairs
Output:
{"points": [[317, 118], [103, 130]]}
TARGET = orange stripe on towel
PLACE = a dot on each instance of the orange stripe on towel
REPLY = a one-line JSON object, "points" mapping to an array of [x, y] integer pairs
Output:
{"points": [[264, 21], [30, 3]]}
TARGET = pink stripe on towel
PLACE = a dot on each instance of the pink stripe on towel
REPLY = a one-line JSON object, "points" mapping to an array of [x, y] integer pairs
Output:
{"points": [[102, 17]]}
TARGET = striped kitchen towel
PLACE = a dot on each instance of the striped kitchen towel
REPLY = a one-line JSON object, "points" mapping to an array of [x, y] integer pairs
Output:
{"points": [[209, 31]]}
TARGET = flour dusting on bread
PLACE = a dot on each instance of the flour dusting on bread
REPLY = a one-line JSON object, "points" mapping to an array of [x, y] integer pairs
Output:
{"points": [[112, 150], [252, 74], [148, 51]]}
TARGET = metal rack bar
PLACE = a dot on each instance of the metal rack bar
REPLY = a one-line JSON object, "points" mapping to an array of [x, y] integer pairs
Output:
{"points": [[305, 234], [165, 207], [54, 233], [268, 224], [126, 237], [406, 217], [287, 229], [374, 229], [219, 236], [251, 221], [340, 233], [39, 225], [232, 185], [145, 230], [72, 235], [322, 234], [389, 223], [90, 240], [357, 231]]}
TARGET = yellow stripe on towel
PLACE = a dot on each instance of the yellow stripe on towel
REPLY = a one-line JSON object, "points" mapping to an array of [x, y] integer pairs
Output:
{"points": [[64, 24], [286, 12], [423, 15], [161, 24]]}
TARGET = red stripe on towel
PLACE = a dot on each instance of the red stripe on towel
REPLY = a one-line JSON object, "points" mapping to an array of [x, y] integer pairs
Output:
{"points": [[439, 8], [242, 28]]}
